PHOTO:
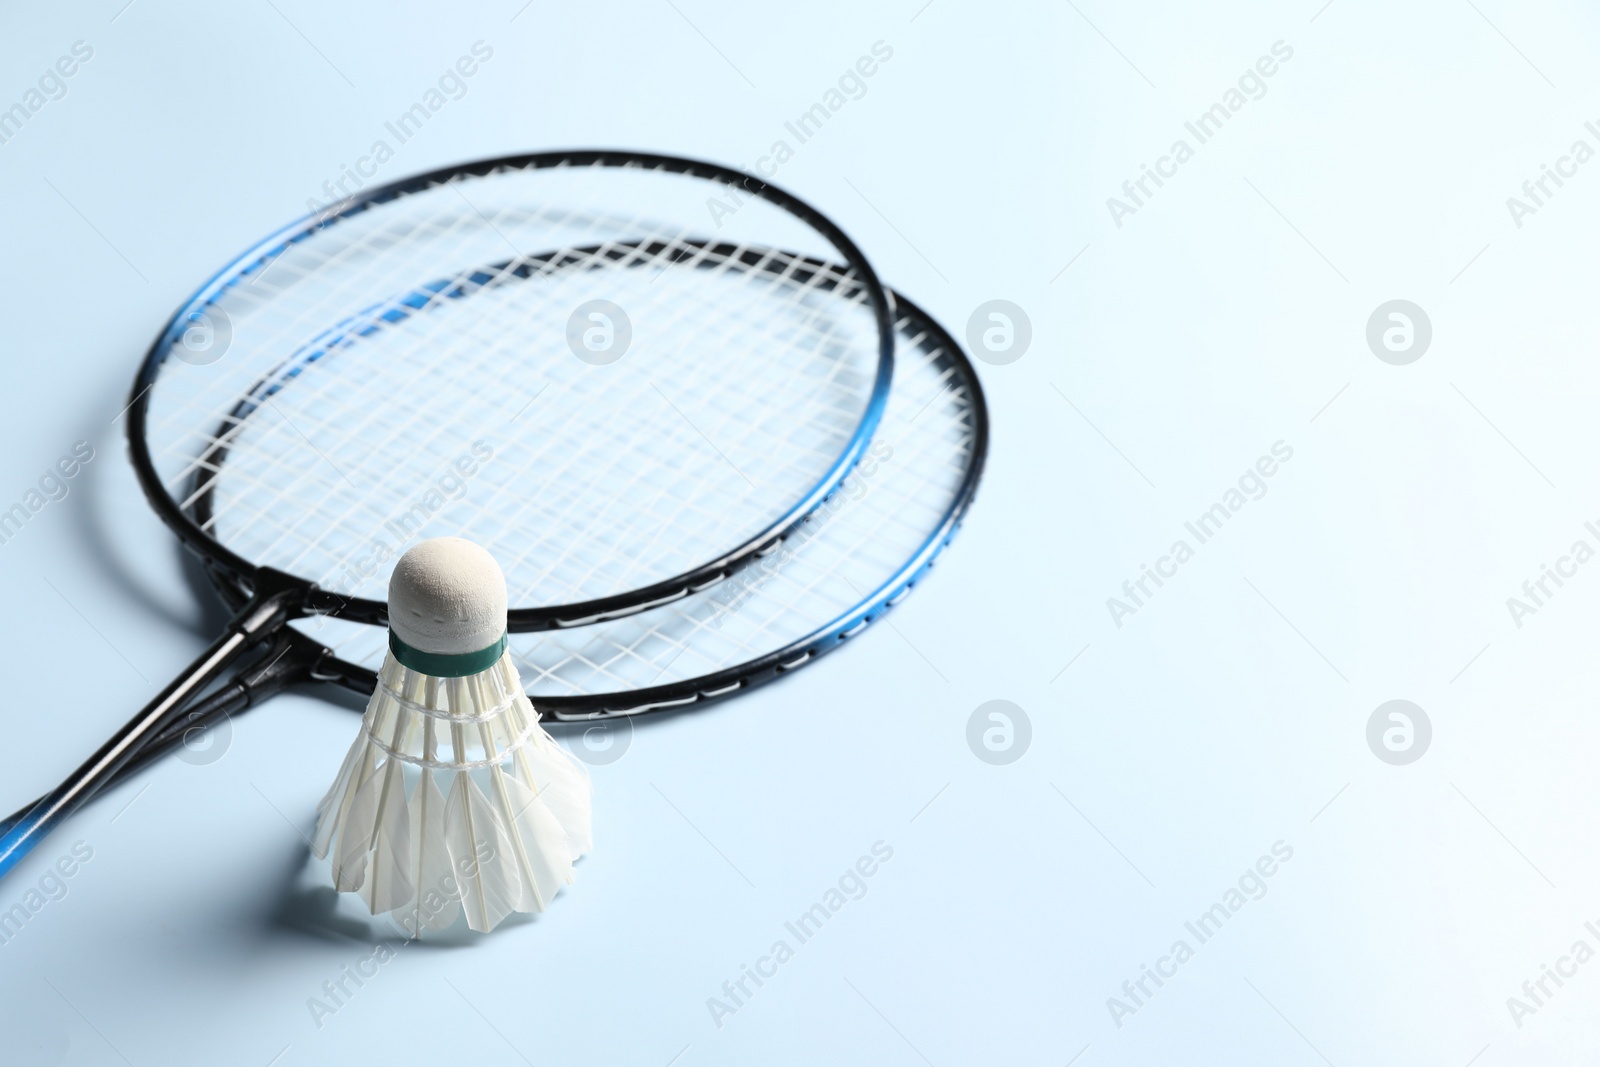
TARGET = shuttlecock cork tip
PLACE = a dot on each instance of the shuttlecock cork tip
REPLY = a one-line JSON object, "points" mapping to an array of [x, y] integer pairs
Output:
{"points": [[447, 597]]}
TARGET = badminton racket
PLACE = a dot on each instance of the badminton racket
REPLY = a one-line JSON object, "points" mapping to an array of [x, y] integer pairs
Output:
{"points": [[850, 562], [563, 357]]}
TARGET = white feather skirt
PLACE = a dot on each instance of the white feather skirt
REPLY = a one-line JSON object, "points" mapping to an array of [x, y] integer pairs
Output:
{"points": [[454, 800]]}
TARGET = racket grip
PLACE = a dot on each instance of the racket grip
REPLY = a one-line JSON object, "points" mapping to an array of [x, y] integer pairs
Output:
{"points": [[260, 617]]}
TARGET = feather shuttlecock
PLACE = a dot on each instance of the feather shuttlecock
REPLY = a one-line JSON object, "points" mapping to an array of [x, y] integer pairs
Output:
{"points": [[453, 799]]}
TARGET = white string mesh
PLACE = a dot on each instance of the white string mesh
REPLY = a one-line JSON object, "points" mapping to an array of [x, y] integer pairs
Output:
{"points": [[883, 515], [406, 373]]}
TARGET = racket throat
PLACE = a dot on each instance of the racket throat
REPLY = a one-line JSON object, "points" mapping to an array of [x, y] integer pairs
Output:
{"points": [[275, 598]]}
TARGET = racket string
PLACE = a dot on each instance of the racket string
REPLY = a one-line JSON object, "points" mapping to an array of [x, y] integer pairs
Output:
{"points": [[286, 431], [832, 382], [831, 563]]}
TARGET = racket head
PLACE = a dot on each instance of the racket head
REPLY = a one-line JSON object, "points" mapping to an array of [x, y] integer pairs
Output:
{"points": [[846, 566], [481, 262]]}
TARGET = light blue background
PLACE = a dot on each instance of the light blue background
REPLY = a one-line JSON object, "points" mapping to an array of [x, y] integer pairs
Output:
{"points": [[1227, 714]]}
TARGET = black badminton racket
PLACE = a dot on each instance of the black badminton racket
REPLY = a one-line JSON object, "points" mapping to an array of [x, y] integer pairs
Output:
{"points": [[565, 357]]}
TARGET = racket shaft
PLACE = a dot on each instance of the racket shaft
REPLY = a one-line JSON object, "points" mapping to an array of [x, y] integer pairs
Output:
{"points": [[260, 617], [202, 715], [289, 659]]}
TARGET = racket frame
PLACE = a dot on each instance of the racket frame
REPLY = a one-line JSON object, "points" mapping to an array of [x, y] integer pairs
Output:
{"points": [[706, 689], [224, 563]]}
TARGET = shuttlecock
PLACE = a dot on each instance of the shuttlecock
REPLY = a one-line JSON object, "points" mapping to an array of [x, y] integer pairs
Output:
{"points": [[453, 798]]}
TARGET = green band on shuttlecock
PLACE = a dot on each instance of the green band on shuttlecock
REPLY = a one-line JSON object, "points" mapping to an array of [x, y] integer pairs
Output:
{"points": [[447, 666]]}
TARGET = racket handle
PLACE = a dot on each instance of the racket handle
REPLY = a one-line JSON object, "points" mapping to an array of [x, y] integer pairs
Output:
{"points": [[203, 713], [292, 657], [261, 616]]}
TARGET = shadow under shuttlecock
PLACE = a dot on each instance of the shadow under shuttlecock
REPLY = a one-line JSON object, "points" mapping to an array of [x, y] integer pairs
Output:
{"points": [[308, 906]]}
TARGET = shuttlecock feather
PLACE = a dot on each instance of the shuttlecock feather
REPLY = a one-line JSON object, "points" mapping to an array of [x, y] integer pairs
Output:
{"points": [[453, 799]]}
